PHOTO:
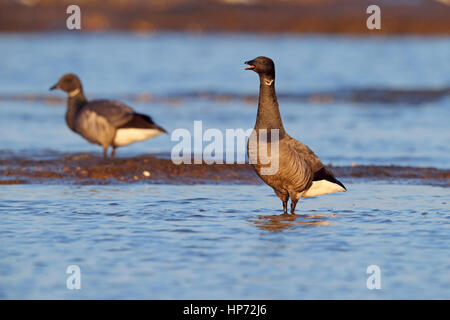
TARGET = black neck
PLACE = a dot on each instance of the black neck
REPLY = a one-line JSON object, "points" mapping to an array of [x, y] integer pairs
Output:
{"points": [[74, 105], [268, 112]]}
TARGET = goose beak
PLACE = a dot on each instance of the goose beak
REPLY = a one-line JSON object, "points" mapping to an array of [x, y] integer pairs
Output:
{"points": [[54, 87], [250, 65]]}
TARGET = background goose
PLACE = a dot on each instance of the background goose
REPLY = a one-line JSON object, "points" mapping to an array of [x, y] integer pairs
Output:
{"points": [[104, 122], [300, 172]]}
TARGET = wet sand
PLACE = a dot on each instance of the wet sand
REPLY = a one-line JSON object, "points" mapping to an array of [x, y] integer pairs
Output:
{"points": [[92, 169]]}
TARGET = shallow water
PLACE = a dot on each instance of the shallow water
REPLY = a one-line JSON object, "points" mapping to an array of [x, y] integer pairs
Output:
{"points": [[142, 241], [116, 65], [380, 134], [111, 63], [227, 241]]}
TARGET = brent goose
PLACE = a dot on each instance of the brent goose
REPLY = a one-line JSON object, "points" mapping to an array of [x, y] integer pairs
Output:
{"points": [[104, 122], [300, 172]]}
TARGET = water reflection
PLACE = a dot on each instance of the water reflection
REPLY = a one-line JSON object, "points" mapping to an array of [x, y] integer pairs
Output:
{"points": [[278, 223]]}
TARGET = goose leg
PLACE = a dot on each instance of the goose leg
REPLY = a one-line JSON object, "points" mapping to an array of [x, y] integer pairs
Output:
{"points": [[293, 204], [113, 152], [105, 152], [294, 199], [284, 198]]}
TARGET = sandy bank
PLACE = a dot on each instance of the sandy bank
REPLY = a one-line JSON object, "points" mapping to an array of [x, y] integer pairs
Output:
{"points": [[92, 169], [264, 16]]}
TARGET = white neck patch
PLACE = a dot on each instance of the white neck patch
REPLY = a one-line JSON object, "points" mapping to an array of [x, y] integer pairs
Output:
{"points": [[74, 93], [268, 81]]}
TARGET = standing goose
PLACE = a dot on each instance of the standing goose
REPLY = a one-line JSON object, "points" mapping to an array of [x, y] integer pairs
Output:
{"points": [[104, 122], [300, 173]]}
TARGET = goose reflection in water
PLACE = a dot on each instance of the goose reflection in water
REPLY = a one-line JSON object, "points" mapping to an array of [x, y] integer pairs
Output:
{"points": [[278, 223]]}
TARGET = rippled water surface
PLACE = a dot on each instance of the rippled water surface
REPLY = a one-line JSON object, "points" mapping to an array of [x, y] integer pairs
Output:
{"points": [[228, 241], [145, 241]]}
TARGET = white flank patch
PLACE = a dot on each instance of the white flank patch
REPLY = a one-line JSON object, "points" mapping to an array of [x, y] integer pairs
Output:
{"points": [[322, 187], [126, 136]]}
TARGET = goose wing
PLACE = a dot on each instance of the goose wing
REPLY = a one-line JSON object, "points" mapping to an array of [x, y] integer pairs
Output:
{"points": [[306, 153], [141, 121], [114, 112], [321, 172], [324, 180]]}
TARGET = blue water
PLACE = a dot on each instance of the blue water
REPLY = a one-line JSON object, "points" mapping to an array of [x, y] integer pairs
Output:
{"points": [[173, 242], [117, 65], [225, 241], [166, 63]]}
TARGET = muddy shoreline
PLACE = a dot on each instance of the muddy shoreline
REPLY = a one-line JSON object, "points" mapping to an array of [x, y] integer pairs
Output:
{"points": [[262, 16], [90, 169], [357, 95]]}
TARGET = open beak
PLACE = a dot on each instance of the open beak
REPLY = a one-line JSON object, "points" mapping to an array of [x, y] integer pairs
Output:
{"points": [[54, 87], [250, 65]]}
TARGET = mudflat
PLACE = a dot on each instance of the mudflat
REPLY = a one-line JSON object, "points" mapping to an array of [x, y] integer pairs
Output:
{"points": [[264, 16], [85, 168]]}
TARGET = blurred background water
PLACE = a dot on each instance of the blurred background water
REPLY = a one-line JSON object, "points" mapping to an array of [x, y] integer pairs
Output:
{"points": [[157, 241], [114, 65]]}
